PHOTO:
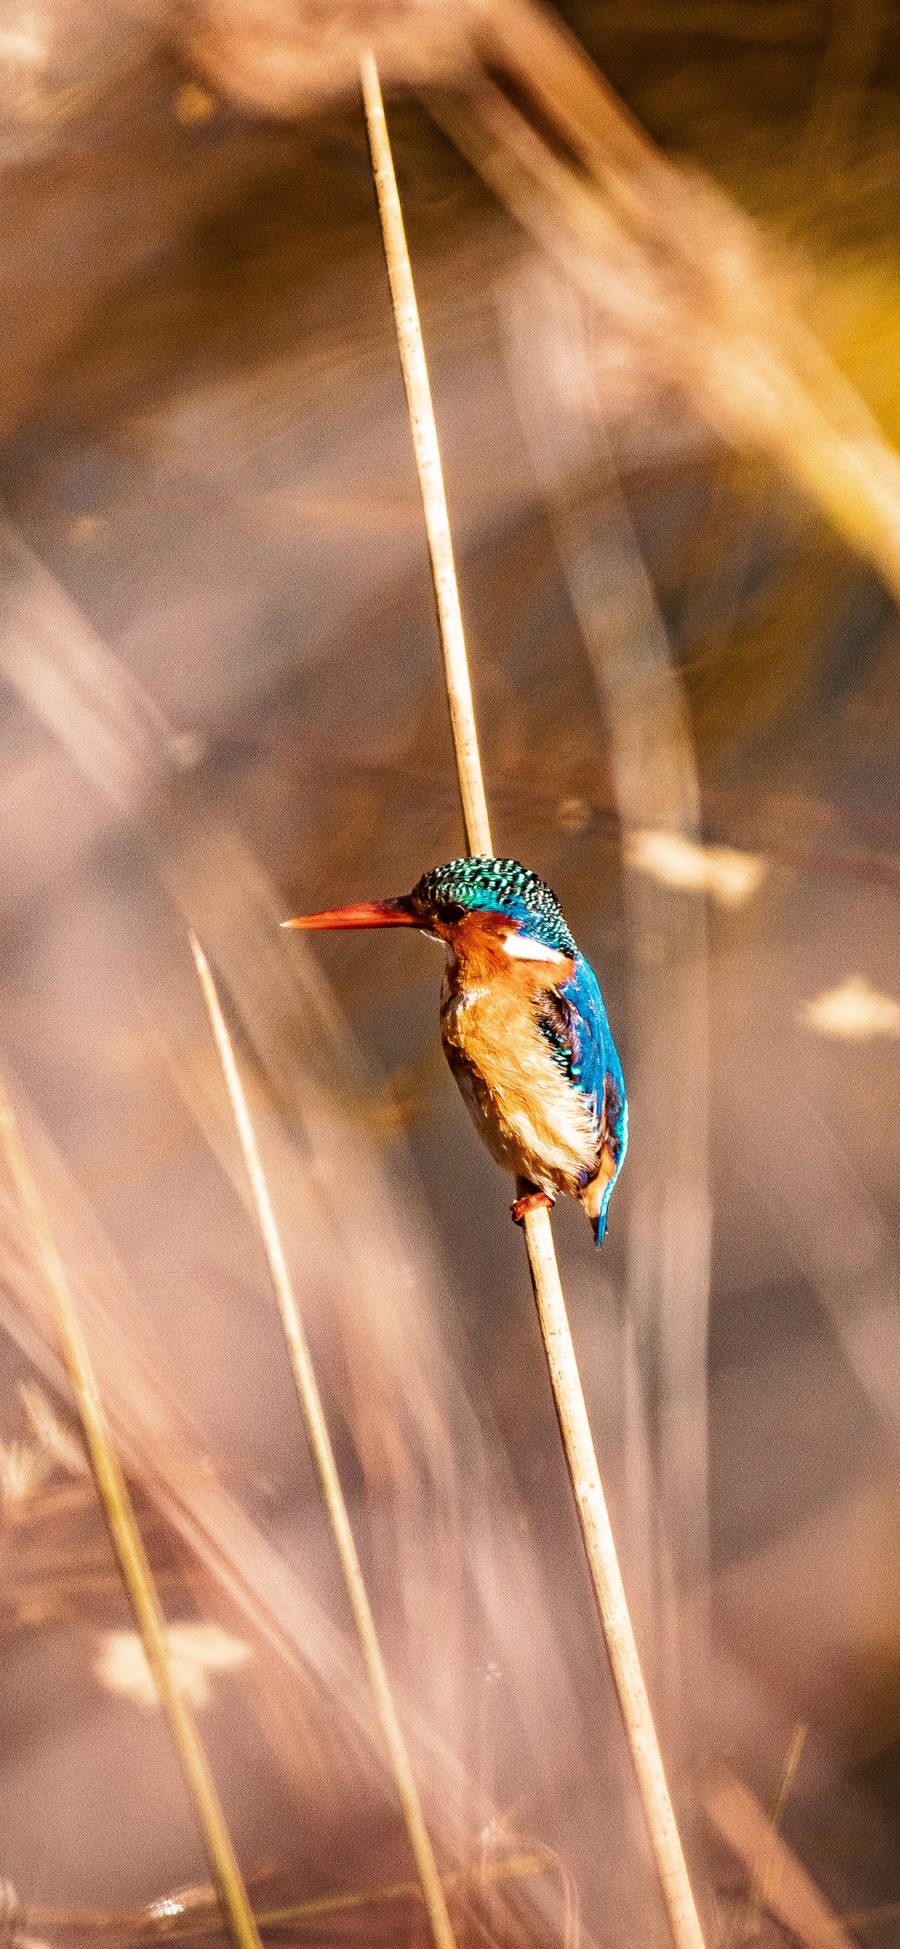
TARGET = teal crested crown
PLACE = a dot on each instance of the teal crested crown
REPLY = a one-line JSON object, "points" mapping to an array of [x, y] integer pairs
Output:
{"points": [[490, 885]]}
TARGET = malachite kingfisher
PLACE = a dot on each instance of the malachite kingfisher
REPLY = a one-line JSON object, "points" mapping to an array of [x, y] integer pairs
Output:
{"points": [[523, 1025]]}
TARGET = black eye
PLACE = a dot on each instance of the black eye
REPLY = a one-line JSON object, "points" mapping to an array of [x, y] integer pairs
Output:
{"points": [[450, 911]]}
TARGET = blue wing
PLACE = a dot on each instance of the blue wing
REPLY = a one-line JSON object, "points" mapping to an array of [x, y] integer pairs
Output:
{"points": [[574, 1021]]}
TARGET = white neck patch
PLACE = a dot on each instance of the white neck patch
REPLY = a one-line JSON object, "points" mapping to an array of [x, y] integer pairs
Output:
{"points": [[523, 948]]}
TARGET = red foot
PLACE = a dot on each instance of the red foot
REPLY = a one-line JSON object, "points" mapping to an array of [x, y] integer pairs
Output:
{"points": [[530, 1201]]}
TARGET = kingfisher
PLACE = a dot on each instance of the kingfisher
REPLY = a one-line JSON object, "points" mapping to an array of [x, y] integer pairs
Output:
{"points": [[523, 1025]]}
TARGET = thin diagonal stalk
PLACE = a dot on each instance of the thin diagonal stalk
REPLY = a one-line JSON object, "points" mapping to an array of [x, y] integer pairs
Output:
{"points": [[791, 1896], [189, 1912], [126, 1540], [323, 1455], [428, 463], [568, 1394], [766, 1871]]}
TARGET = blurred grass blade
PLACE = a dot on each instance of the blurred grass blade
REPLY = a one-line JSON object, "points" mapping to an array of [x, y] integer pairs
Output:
{"points": [[791, 1895], [766, 1873], [189, 1912], [568, 1395], [323, 1455], [126, 1540]]}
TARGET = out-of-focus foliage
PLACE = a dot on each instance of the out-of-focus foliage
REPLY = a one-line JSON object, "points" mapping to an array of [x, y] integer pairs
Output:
{"points": [[663, 321]]}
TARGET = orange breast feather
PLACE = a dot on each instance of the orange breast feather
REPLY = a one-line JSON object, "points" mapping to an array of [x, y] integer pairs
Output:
{"points": [[533, 1121]]}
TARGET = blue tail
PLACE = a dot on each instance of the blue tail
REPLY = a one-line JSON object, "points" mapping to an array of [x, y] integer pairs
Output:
{"points": [[600, 1221]]}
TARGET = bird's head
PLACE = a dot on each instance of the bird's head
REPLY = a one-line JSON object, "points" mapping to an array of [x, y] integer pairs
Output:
{"points": [[444, 899]]}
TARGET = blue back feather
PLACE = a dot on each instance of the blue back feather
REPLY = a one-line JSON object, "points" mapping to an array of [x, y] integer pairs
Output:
{"points": [[574, 1021]]}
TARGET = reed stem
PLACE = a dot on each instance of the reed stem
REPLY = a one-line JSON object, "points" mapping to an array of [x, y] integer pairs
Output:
{"points": [[428, 462], [125, 1537], [568, 1395], [609, 1589], [323, 1455], [188, 1913]]}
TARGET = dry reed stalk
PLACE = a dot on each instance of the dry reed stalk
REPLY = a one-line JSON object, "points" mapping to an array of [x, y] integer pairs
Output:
{"points": [[323, 1455], [189, 1911], [568, 1395], [790, 1894], [514, 1868], [765, 1873], [126, 1540], [428, 463]]}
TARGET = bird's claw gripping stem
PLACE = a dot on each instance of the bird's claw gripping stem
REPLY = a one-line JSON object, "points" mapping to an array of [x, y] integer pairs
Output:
{"points": [[530, 1201]]}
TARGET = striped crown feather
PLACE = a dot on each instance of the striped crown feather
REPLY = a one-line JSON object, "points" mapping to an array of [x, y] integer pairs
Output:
{"points": [[488, 885]]}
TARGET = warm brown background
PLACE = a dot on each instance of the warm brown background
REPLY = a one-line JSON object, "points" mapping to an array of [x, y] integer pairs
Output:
{"points": [[215, 544]]}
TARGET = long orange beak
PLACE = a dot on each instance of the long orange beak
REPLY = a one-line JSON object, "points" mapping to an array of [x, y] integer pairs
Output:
{"points": [[371, 913]]}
